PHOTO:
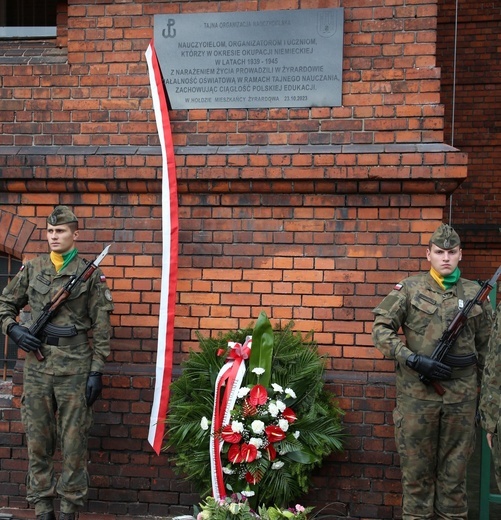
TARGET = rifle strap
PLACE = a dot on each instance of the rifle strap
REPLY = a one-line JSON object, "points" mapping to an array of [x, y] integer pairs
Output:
{"points": [[460, 293]]}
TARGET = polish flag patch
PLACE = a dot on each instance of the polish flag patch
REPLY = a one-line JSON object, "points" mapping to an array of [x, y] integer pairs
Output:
{"points": [[398, 287]]}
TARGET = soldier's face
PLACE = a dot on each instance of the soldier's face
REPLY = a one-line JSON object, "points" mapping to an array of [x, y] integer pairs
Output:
{"points": [[61, 238], [444, 261]]}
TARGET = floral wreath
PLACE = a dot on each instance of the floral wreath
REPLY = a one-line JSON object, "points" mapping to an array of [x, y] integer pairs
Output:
{"points": [[250, 415]]}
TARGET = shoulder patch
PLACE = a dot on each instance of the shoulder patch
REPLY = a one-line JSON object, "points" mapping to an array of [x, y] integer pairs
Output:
{"points": [[22, 268], [102, 278], [397, 287], [107, 295]]}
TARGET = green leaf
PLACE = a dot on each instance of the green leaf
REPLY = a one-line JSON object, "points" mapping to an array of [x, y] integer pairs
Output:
{"points": [[262, 350], [302, 457]]}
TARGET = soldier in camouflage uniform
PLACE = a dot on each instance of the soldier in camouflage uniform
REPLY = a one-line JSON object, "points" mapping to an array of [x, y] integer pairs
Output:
{"points": [[59, 390], [434, 433], [490, 397]]}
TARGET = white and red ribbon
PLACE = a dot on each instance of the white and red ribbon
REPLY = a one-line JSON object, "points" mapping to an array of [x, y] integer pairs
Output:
{"points": [[228, 383], [170, 234]]}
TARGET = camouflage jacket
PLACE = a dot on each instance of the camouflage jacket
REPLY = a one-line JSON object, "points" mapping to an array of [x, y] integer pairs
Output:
{"points": [[423, 310], [490, 397], [87, 308]]}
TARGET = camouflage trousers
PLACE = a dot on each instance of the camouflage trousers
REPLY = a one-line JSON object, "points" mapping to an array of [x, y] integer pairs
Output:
{"points": [[54, 407], [434, 441], [496, 453]]}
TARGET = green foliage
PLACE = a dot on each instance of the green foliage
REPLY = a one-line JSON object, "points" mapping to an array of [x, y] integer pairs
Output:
{"points": [[262, 350], [235, 508], [315, 432]]}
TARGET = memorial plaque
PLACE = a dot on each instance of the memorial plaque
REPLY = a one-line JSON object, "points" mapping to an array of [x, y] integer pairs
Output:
{"points": [[256, 59]]}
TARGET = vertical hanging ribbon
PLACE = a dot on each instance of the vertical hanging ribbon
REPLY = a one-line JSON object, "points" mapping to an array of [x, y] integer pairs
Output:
{"points": [[170, 234], [228, 383]]}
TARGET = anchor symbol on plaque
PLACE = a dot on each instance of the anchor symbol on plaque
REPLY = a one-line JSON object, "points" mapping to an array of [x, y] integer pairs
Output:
{"points": [[169, 32], [327, 24]]}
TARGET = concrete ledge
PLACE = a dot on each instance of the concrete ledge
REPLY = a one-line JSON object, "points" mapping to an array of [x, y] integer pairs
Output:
{"points": [[231, 150]]}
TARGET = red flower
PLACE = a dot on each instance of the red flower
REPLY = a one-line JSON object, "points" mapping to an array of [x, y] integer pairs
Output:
{"points": [[228, 435], [239, 453], [248, 452], [234, 455], [258, 395], [252, 478], [289, 415], [274, 433], [272, 452]]}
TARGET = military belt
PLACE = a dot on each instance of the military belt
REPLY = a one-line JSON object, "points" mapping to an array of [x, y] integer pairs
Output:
{"points": [[65, 341], [458, 373]]}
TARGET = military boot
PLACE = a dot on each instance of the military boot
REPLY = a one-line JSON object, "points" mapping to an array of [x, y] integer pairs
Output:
{"points": [[46, 516], [68, 516]]}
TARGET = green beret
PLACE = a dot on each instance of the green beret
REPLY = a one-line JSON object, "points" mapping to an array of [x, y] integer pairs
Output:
{"points": [[445, 237], [61, 215]]}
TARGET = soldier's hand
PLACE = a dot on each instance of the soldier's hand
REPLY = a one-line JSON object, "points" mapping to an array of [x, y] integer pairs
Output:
{"points": [[429, 368], [94, 387], [22, 337]]}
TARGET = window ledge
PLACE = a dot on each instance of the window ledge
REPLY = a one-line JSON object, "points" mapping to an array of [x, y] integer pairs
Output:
{"points": [[31, 52], [27, 32]]}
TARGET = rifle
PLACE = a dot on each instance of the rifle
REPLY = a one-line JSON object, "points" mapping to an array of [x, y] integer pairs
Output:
{"points": [[61, 296], [451, 334]]}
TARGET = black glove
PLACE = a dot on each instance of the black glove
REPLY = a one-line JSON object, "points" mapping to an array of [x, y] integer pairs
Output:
{"points": [[22, 337], [94, 387], [428, 367]]}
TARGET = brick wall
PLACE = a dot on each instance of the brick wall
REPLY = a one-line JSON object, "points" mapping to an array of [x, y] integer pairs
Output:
{"points": [[308, 214], [470, 92]]}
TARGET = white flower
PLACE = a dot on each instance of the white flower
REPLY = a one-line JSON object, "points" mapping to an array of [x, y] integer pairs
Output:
{"points": [[277, 465], [256, 441], [243, 391], [281, 406], [237, 426], [247, 493], [228, 471], [257, 427], [204, 423], [283, 425], [278, 389], [290, 393], [296, 434], [273, 409], [258, 371]]}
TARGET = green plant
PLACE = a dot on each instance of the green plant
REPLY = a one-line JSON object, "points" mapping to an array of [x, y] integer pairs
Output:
{"points": [[298, 512], [282, 424], [237, 507]]}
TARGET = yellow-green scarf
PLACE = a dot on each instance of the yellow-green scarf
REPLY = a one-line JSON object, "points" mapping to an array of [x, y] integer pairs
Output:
{"points": [[446, 282], [61, 261]]}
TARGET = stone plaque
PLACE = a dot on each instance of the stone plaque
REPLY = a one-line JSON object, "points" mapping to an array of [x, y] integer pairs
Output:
{"points": [[258, 59]]}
